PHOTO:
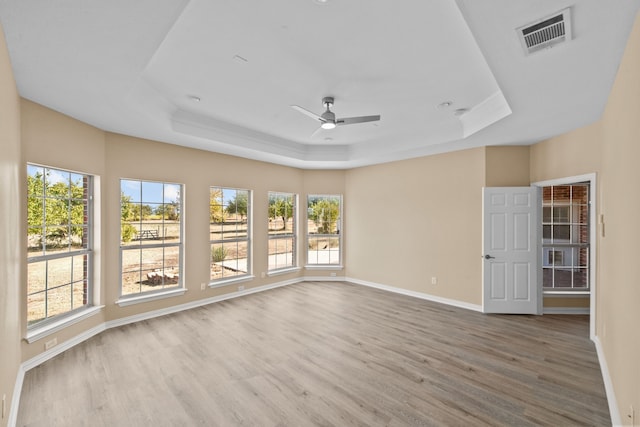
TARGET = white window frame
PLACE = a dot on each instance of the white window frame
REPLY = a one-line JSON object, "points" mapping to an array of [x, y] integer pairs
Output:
{"points": [[338, 234], [49, 325], [223, 281], [566, 248], [166, 290], [293, 235]]}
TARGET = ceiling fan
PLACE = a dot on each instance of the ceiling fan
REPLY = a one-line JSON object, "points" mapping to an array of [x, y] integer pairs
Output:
{"points": [[328, 118]]}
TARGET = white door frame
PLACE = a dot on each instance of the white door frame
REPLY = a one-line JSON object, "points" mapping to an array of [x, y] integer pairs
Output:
{"points": [[591, 178]]}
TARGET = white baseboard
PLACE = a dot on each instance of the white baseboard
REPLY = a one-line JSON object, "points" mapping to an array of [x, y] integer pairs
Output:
{"points": [[415, 294], [323, 279], [193, 304], [608, 384], [566, 310], [15, 399]]}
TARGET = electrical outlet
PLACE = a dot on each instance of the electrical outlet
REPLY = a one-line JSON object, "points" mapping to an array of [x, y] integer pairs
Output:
{"points": [[241, 287], [434, 280], [263, 275], [332, 274], [50, 343], [203, 286]]}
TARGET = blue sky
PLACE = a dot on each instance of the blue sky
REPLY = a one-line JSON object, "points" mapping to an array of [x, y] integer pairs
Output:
{"points": [[150, 192]]}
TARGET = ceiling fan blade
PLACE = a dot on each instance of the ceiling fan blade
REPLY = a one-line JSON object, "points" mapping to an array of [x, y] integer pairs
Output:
{"points": [[316, 132], [353, 120], [307, 113]]}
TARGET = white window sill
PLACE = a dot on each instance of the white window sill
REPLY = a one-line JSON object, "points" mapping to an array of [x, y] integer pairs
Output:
{"points": [[233, 280], [565, 294], [130, 300], [283, 271], [39, 332], [323, 267]]}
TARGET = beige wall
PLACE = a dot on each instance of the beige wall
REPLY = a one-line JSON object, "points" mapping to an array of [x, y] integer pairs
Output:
{"points": [[409, 221], [11, 243], [507, 166], [572, 154], [618, 288]]}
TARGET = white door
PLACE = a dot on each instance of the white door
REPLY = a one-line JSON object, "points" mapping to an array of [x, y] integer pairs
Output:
{"points": [[511, 251]]}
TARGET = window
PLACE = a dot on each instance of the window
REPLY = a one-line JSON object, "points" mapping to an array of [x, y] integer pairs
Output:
{"points": [[229, 232], [323, 229], [59, 220], [150, 236], [565, 237], [282, 231]]}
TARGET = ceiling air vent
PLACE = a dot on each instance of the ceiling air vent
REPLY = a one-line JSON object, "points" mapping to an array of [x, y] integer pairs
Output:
{"points": [[547, 32]]}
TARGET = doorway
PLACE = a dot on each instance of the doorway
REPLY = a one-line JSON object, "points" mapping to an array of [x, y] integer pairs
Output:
{"points": [[568, 260]]}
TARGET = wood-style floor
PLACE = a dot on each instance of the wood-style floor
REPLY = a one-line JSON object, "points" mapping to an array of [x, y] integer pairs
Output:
{"points": [[326, 354]]}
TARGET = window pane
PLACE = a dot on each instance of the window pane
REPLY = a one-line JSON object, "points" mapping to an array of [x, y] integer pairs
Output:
{"points": [[280, 253], [581, 278], [324, 250], [59, 272], [582, 258], [323, 227], [36, 277], [57, 184], [229, 231], [567, 266], [59, 300], [131, 190], [562, 193], [561, 233], [281, 229], [152, 192], [561, 215], [562, 278], [79, 295], [580, 194], [36, 308], [58, 218], [34, 241], [547, 277], [151, 223]]}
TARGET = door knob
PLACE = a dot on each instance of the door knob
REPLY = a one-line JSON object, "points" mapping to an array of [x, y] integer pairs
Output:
{"points": [[487, 256]]}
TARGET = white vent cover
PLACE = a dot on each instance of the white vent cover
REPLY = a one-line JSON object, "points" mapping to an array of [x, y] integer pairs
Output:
{"points": [[546, 32]]}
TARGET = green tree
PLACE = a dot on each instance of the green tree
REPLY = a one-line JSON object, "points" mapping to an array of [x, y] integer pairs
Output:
{"points": [[239, 204], [141, 212], [59, 206], [280, 207], [324, 212], [127, 214], [35, 202], [216, 211], [168, 211]]}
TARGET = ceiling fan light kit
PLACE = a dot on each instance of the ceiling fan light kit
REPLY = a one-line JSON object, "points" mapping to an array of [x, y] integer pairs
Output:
{"points": [[328, 118]]}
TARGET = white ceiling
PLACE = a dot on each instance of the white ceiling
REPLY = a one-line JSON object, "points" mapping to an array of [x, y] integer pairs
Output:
{"points": [[134, 67]]}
